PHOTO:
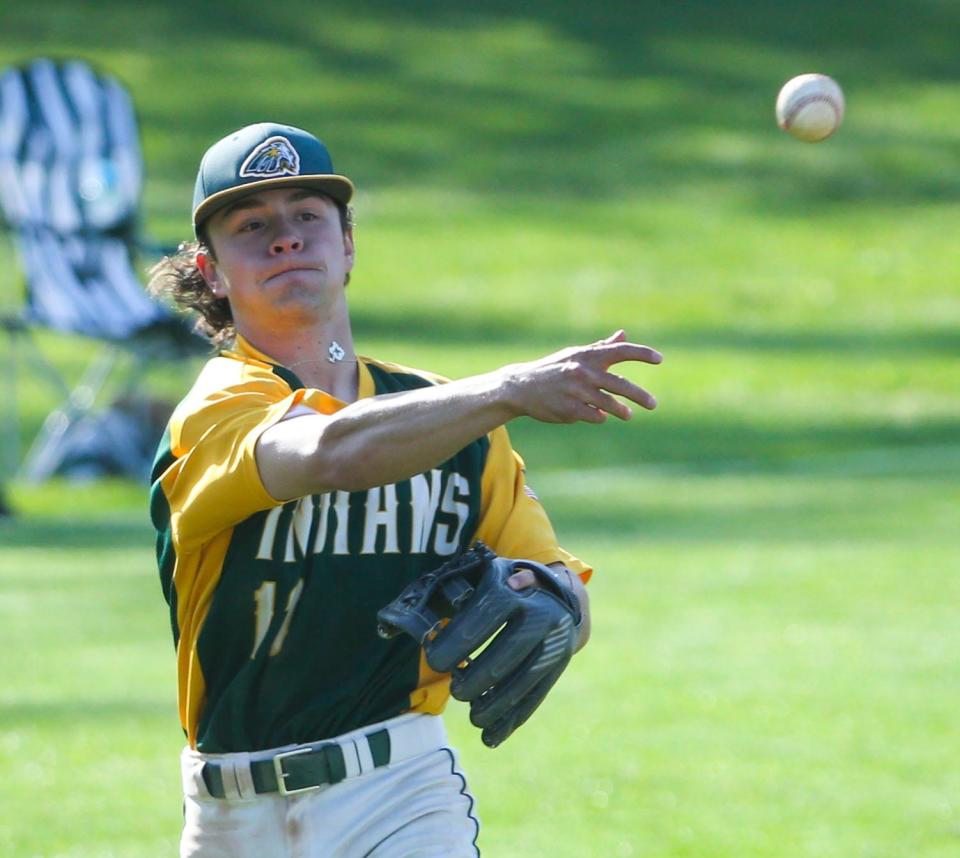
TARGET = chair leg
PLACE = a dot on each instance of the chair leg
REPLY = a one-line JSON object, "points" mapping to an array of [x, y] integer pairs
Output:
{"points": [[42, 457], [10, 454]]}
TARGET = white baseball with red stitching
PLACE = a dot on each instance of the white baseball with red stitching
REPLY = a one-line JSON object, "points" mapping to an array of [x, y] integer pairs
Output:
{"points": [[810, 107]]}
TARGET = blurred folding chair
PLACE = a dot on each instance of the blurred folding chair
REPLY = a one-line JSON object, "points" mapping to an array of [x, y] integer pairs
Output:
{"points": [[71, 176]]}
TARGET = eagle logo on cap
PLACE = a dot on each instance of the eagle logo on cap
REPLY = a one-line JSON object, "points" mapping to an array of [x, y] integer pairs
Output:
{"points": [[273, 157]]}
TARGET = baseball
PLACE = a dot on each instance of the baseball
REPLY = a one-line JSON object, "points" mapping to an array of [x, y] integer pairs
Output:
{"points": [[810, 107]]}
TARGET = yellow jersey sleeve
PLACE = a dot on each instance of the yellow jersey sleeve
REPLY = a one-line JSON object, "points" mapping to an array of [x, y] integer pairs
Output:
{"points": [[512, 520], [214, 483]]}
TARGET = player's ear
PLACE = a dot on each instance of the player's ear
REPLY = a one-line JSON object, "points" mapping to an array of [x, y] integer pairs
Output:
{"points": [[207, 266]]}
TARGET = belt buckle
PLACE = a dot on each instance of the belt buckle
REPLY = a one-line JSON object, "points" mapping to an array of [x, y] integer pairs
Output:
{"points": [[282, 775]]}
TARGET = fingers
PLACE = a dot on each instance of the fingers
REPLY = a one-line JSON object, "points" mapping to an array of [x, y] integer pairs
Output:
{"points": [[599, 391], [615, 349], [602, 403], [594, 395], [587, 412], [575, 384], [617, 384], [618, 352], [521, 580]]}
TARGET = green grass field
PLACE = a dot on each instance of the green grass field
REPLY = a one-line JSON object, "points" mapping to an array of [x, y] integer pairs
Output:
{"points": [[772, 669]]}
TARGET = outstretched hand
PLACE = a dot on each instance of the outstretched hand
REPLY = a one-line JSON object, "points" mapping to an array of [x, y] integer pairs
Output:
{"points": [[575, 384]]}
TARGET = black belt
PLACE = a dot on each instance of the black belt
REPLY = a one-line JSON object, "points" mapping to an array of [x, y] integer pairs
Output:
{"points": [[300, 770]]}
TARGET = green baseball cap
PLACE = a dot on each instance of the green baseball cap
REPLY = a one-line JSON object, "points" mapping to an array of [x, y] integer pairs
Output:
{"points": [[260, 157]]}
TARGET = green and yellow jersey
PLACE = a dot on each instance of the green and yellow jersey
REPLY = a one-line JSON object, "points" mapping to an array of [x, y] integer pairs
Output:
{"points": [[273, 605]]}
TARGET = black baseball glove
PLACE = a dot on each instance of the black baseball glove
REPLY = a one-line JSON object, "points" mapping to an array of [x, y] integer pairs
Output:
{"points": [[529, 634]]}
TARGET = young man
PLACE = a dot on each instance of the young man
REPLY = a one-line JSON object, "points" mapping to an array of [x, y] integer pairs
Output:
{"points": [[298, 489]]}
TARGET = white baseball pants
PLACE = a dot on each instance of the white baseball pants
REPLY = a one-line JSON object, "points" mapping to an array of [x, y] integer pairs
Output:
{"points": [[416, 806]]}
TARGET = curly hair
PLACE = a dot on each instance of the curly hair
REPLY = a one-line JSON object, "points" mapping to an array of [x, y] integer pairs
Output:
{"points": [[178, 278]]}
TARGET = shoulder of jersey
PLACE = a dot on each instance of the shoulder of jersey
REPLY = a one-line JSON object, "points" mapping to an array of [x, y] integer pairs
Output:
{"points": [[231, 368], [229, 371], [400, 369]]}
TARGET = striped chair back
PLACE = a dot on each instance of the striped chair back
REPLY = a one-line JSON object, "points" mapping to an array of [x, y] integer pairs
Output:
{"points": [[71, 177]]}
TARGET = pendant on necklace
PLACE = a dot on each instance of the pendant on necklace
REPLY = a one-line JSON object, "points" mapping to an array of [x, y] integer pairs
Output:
{"points": [[335, 352]]}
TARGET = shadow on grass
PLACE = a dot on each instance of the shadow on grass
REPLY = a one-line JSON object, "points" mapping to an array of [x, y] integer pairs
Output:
{"points": [[71, 711], [539, 99], [22, 530], [445, 329], [875, 471], [714, 445], [880, 506], [802, 520], [926, 450]]}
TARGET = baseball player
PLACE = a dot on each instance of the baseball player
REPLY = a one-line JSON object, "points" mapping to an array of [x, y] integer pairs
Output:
{"points": [[298, 489]]}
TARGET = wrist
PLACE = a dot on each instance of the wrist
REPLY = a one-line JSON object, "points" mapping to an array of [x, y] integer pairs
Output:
{"points": [[508, 390]]}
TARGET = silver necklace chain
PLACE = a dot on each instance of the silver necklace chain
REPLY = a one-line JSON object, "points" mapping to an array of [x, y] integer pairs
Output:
{"points": [[335, 354]]}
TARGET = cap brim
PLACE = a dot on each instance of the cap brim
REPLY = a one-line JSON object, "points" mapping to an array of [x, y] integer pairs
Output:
{"points": [[339, 188]]}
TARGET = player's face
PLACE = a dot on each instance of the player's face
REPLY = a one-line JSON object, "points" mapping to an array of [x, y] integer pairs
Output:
{"points": [[281, 251]]}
